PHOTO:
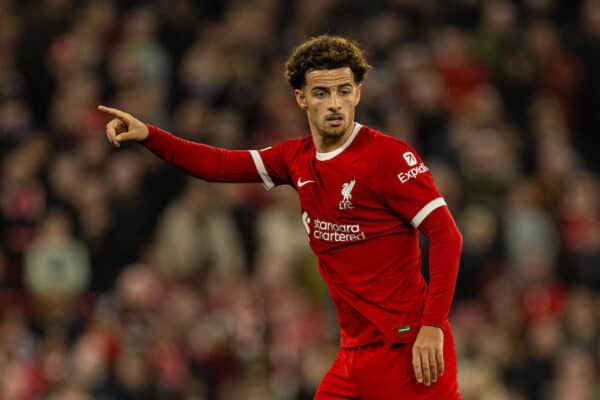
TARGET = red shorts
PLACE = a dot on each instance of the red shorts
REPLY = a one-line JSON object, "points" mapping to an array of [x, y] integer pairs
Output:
{"points": [[382, 372]]}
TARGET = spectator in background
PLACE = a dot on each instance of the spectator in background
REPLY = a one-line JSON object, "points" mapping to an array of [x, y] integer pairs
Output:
{"points": [[57, 268], [196, 230]]}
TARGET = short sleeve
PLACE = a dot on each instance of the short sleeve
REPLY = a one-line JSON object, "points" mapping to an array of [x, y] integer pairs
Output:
{"points": [[406, 183], [272, 163]]}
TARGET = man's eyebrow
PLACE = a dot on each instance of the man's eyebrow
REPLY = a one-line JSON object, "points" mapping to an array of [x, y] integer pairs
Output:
{"points": [[329, 87]]}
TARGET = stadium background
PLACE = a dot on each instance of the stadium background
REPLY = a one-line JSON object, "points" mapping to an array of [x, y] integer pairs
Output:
{"points": [[121, 278]]}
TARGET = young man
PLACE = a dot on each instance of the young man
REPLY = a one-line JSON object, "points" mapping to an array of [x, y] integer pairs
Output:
{"points": [[364, 196]]}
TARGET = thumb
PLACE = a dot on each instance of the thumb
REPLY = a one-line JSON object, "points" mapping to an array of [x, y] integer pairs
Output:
{"points": [[125, 136]]}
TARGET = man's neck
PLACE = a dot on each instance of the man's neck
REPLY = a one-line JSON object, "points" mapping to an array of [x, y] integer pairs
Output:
{"points": [[327, 144]]}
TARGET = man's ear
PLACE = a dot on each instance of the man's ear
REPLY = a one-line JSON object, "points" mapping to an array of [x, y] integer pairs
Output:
{"points": [[358, 90], [300, 99]]}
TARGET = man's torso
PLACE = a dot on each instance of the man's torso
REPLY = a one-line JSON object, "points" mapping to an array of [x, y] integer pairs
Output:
{"points": [[368, 253]]}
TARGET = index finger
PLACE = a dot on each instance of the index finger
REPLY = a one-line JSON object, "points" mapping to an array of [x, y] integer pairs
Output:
{"points": [[115, 112]]}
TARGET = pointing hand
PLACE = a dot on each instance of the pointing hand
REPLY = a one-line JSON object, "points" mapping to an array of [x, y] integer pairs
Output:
{"points": [[123, 127]]}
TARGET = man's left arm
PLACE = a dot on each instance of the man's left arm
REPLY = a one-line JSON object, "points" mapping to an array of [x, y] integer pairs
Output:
{"points": [[409, 190], [445, 244]]}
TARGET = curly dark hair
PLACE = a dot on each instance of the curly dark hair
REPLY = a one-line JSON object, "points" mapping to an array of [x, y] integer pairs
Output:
{"points": [[325, 52]]}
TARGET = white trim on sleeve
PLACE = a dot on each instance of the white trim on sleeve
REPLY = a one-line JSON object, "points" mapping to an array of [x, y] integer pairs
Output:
{"points": [[262, 171], [426, 210]]}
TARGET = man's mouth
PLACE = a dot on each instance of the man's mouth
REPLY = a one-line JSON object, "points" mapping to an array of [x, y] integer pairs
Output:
{"points": [[335, 120]]}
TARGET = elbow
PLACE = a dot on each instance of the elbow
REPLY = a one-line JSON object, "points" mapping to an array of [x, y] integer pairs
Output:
{"points": [[453, 237], [456, 238]]}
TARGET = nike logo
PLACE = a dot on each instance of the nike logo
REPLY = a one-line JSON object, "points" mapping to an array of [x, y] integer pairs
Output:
{"points": [[300, 183]]}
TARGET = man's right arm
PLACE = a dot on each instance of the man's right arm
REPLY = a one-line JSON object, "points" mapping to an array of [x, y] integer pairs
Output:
{"points": [[200, 160]]}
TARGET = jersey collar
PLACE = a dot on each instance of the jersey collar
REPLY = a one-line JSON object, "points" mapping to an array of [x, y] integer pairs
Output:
{"points": [[331, 154]]}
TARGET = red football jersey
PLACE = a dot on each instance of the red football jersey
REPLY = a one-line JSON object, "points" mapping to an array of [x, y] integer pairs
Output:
{"points": [[361, 205]]}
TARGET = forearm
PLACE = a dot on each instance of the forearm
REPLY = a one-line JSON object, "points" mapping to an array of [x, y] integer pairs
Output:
{"points": [[445, 244], [200, 160]]}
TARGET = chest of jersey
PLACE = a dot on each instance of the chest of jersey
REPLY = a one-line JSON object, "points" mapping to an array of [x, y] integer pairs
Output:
{"points": [[339, 204]]}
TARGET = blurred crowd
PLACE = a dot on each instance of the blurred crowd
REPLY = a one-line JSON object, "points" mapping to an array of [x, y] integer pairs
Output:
{"points": [[122, 278]]}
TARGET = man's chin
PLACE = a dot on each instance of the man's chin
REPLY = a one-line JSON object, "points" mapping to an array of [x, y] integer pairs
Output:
{"points": [[333, 132]]}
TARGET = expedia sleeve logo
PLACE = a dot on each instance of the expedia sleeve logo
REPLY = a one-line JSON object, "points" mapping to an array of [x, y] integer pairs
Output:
{"points": [[412, 173], [410, 159]]}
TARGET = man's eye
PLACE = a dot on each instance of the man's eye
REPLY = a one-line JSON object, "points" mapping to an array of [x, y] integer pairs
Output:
{"points": [[320, 93], [345, 92]]}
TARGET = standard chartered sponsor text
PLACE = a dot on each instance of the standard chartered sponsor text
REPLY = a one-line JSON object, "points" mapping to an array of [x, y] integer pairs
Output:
{"points": [[331, 232]]}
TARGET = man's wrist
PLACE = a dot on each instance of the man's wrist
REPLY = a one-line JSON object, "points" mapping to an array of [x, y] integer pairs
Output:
{"points": [[151, 132], [433, 323]]}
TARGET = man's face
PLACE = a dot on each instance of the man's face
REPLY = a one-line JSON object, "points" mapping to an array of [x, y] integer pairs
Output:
{"points": [[329, 98]]}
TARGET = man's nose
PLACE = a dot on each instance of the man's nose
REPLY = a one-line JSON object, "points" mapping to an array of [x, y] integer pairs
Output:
{"points": [[334, 102]]}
